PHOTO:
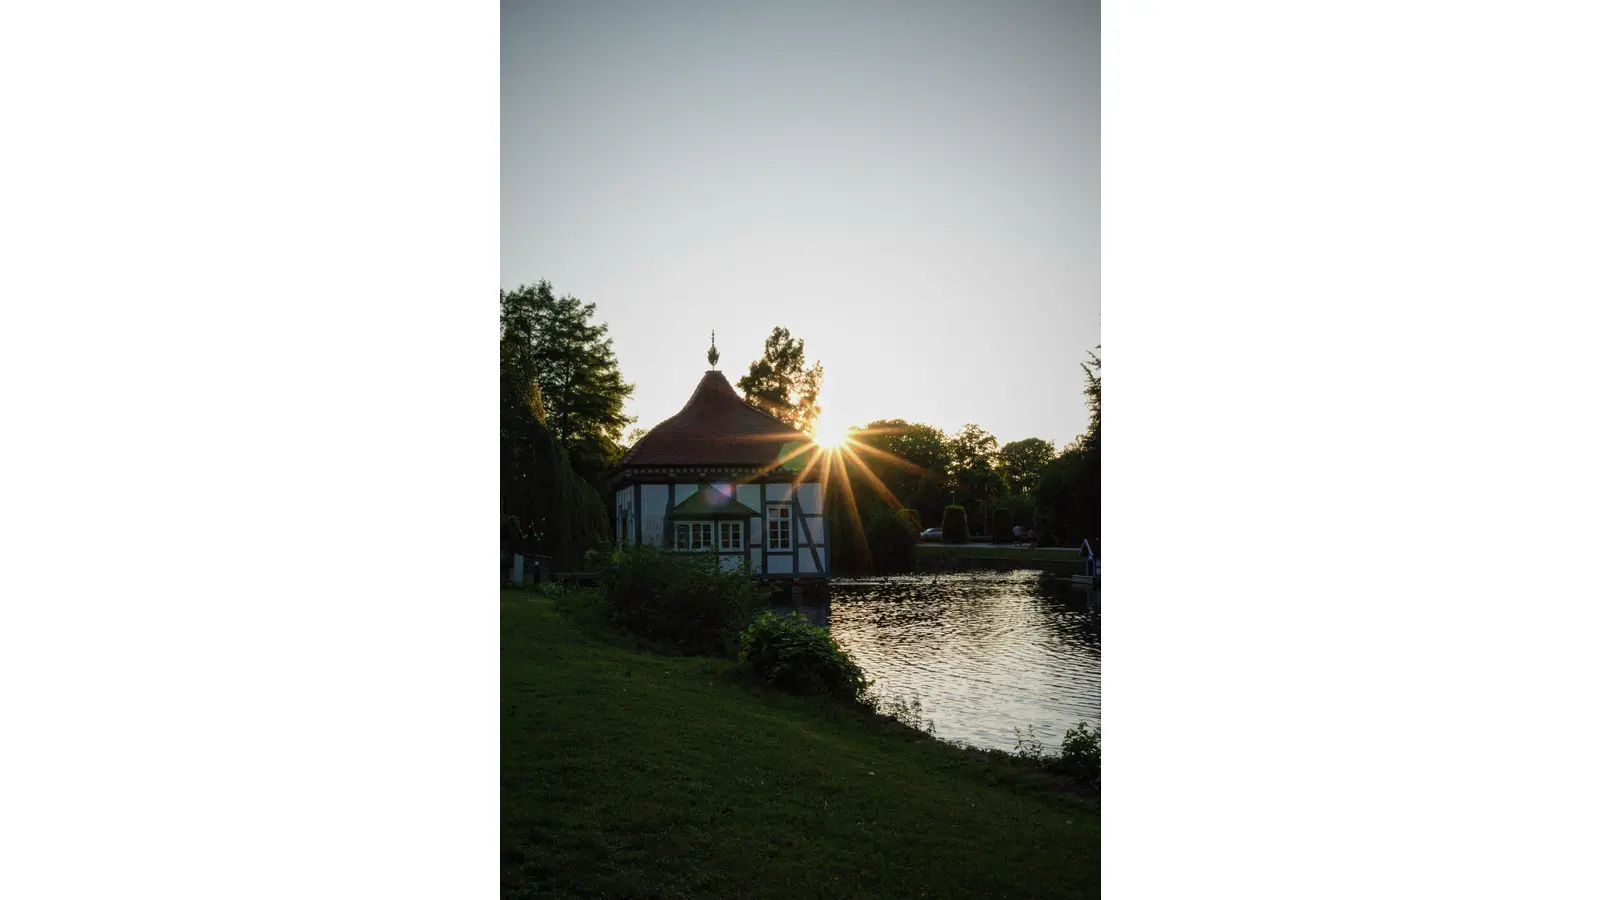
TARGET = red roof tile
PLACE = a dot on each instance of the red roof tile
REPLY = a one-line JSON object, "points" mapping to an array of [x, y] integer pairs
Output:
{"points": [[715, 427]]}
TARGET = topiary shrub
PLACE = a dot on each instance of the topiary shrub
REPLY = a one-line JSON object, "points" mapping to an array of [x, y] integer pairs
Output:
{"points": [[1001, 526], [684, 599], [955, 525], [912, 517], [791, 654], [892, 541]]}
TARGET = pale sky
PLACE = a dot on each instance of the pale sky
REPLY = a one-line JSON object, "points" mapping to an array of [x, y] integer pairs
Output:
{"points": [[913, 188]]}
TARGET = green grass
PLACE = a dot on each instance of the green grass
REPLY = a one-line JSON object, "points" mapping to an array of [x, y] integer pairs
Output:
{"points": [[1015, 554], [626, 773]]}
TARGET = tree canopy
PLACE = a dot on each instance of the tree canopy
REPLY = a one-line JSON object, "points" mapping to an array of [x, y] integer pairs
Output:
{"points": [[1022, 461], [571, 359], [1069, 486], [1091, 390], [561, 396], [780, 384]]}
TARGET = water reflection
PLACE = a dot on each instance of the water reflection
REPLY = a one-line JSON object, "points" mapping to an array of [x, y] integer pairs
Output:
{"points": [[985, 652]]}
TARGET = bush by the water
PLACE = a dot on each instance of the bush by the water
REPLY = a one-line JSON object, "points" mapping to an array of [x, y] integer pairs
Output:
{"points": [[1000, 527], [955, 525], [1080, 754], [892, 541], [684, 599], [791, 654]]}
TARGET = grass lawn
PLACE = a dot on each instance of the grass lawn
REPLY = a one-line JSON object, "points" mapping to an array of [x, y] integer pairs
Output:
{"points": [[626, 773]]}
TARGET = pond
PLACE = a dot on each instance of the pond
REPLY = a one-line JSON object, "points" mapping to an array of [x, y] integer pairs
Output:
{"points": [[984, 652]]}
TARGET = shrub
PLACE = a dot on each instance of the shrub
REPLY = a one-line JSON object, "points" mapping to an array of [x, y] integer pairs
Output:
{"points": [[955, 525], [1001, 526], [892, 541], [1080, 754], [907, 713], [791, 654], [1021, 508], [912, 517], [687, 600], [1028, 747]]}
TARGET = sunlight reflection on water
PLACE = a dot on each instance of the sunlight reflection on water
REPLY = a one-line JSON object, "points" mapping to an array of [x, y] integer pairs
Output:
{"points": [[985, 652]]}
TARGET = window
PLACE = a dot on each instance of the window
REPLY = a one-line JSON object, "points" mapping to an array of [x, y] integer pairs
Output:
{"points": [[778, 537], [730, 535], [691, 535]]}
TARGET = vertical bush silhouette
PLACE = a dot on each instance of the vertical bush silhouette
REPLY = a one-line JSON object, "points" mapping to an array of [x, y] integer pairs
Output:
{"points": [[1001, 526], [955, 525]]}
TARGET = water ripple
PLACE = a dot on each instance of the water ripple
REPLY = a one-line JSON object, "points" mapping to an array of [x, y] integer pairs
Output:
{"points": [[985, 652]]}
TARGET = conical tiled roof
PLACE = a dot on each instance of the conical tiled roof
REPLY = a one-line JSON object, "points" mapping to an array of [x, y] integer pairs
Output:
{"points": [[715, 427]]}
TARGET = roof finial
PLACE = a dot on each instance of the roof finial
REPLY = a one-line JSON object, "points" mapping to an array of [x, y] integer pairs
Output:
{"points": [[712, 355]]}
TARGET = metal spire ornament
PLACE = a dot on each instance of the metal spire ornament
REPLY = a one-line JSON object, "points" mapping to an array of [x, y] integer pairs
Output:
{"points": [[712, 355]]}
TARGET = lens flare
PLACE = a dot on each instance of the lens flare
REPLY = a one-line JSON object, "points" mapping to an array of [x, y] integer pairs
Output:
{"points": [[827, 436]]}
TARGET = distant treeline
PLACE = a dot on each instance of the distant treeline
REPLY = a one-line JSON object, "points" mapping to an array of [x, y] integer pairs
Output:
{"points": [[915, 466]]}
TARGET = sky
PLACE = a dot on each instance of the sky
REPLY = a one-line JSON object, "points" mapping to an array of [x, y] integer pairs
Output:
{"points": [[912, 188]]}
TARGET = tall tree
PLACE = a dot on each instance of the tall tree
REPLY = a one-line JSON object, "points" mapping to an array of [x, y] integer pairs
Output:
{"points": [[545, 507], [1021, 461], [571, 359], [1069, 485], [922, 480], [1091, 391], [973, 455], [780, 384]]}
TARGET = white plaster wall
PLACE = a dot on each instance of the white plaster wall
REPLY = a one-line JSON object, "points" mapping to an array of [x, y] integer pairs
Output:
{"points": [[780, 564], [731, 561], [653, 498], [815, 524], [749, 495], [682, 492], [811, 497], [777, 492], [627, 515]]}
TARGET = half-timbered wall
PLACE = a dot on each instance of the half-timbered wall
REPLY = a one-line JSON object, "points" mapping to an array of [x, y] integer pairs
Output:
{"points": [[646, 508], [808, 549], [653, 503]]}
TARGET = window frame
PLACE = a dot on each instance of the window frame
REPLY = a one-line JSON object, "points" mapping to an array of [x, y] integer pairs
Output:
{"points": [[735, 528], [694, 526], [785, 521]]}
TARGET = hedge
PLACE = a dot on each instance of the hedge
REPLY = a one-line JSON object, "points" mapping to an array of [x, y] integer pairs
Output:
{"points": [[955, 525]]}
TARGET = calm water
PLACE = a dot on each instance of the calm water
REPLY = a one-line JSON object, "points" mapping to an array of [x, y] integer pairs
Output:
{"points": [[985, 652]]}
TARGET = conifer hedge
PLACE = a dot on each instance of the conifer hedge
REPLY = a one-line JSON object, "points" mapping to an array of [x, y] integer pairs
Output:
{"points": [[1001, 526], [955, 525]]}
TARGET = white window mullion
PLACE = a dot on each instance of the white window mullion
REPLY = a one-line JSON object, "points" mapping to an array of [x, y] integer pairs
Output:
{"points": [[779, 535]]}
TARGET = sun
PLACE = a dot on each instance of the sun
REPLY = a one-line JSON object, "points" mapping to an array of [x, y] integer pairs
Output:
{"points": [[826, 435]]}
